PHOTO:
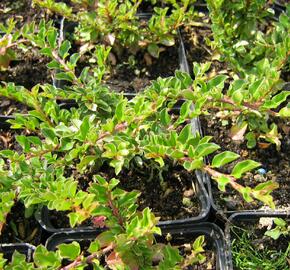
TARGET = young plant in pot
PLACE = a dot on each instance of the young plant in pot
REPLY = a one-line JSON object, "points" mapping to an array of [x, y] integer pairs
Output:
{"points": [[127, 243], [144, 47], [259, 240], [245, 32], [248, 116]]}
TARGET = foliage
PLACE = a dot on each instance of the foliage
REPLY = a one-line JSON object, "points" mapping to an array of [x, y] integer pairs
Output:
{"points": [[105, 128], [252, 104], [280, 229], [249, 255], [117, 23], [128, 242], [246, 34]]}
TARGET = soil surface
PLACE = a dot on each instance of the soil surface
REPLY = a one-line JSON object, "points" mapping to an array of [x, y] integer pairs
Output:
{"points": [[195, 41], [21, 10], [276, 165], [253, 233], [174, 198], [209, 264], [134, 78], [129, 70], [20, 229], [28, 68]]}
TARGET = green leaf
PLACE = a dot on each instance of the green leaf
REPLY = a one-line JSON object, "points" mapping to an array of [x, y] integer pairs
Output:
{"points": [[70, 251], [222, 182], [185, 134], [275, 233], [224, 158], [85, 127], [52, 38], [120, 110], [64, 48], [246, 193], [153, 49], [44, 258], [244, 166], [217, 81], [49, 133], [53, 65], [74, 58], [205, 149], [94, 246], [276, 100], [238, 96], [85, 161], [66, 76], [284, 112], [167, 41], [23, 141], [251, 139], [280, 222], [185, 109], [193, 165], [198, 243], [164, 117]]}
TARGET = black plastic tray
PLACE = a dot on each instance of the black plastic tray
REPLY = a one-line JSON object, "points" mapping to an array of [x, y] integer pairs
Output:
{"points": [[43, 215], [213, 234], [249, 216], [69, 26], [8, 250], [208, 184]]}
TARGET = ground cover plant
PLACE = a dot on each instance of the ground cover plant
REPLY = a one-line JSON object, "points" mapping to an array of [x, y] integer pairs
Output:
{"points": [[93, 160], [141, 49]]}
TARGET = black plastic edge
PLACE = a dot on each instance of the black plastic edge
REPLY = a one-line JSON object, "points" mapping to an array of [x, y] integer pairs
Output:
{"points": [[211, 231], [247, 216], [23, 248]]}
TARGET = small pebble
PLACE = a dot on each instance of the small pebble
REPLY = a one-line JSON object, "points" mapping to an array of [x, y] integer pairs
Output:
{"points": [[262, 171]]}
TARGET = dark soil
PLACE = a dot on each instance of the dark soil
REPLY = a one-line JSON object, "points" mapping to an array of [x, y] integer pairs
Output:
{"points": [[276, 163], [20, 229], [254, 232], [184, 244], [8, 140], [197, 50], [134, 78], [175, 199], [21, 11], [184, 248], [29, 68], [130, 70], [9, 107]]}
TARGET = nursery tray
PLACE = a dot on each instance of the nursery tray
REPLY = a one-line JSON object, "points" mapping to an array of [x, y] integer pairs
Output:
{"points": [[208, 184], [213, 234], [23, 248], [67, 27], [249, 217], [44, 216]]}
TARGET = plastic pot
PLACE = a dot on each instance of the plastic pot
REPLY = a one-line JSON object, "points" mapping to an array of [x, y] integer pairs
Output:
{"points": [[44, 217], [249, 217], [180, 234], [23, 248], [68, 27], [208, 181]]}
